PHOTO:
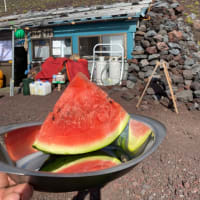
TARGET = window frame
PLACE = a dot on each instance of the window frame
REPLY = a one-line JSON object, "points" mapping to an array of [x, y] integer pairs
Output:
{"points": [[60, 38], [100, 40], [86, 36], [6, 61], [32, 47], [50, 40]]}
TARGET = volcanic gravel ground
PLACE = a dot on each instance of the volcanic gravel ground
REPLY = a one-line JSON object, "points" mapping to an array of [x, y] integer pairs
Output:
{"points": [[172, 172]]}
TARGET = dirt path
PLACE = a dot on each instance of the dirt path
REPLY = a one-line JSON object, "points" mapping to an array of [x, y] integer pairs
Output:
{"points": [[172, 172]]}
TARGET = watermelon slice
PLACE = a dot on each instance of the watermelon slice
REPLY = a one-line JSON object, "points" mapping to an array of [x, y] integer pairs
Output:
{"points": [[19, 142], [135, 137], [79, 164], [84, 119]]}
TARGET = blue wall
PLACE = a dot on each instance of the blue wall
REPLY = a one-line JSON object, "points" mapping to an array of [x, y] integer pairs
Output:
{"points": [[75, 31]]}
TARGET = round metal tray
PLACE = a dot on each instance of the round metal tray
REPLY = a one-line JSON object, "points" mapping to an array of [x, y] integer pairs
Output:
{"points": [[24, 170]]}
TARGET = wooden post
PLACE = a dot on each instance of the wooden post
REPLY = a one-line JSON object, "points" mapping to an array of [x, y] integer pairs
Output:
{"points": [[59, 87], [147, 85], [170, 86]]}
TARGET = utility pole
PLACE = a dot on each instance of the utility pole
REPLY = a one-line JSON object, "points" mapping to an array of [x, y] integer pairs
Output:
{"points": [[13, 64], [5, 5]]}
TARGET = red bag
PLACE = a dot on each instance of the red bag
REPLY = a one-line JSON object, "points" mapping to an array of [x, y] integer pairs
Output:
{"points": [[50, 67], [73, 67]]}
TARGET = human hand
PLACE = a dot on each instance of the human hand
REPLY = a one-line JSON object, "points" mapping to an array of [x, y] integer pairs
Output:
{"points": [[9, 190]]}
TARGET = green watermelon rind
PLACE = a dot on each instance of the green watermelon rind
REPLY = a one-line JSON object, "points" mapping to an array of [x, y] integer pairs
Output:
{"points": [[134, 143], [64, 150], [61, 163], [131, 144]]}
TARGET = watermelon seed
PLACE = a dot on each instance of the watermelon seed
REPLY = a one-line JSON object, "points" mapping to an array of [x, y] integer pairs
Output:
{"points": [[53, 117], [59, 109]]}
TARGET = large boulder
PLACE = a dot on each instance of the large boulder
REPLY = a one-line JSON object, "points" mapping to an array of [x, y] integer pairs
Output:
{"points": [[196, 25], [197, 93], [184, 96], [175, 36], [187, 74], [162, 46], [151, 50], [195, 85]]}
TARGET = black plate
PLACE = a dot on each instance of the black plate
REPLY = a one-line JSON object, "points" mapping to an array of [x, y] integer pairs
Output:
{"points": [[24, 170]]}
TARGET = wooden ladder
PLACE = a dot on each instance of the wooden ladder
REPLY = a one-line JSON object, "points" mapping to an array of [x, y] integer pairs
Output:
{"points": [[159, 64]]}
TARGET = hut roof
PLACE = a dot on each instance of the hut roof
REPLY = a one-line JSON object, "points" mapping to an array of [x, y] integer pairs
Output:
{"points": [[29, 13]]}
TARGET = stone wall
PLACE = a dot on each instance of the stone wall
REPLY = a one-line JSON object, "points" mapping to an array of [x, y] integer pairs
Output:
{"points": [[167, 37]]}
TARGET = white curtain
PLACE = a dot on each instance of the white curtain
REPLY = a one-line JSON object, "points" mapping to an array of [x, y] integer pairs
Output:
{"points": [[113, 39], [42, 52], [5, 50]]}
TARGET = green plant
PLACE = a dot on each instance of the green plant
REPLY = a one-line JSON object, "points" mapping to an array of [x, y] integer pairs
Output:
{"points": [[189, 20], [196, 3], [189, 6]]}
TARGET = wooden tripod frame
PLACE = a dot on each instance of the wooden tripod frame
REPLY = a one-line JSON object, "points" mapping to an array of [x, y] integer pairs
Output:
{"points": [[168, 81]]}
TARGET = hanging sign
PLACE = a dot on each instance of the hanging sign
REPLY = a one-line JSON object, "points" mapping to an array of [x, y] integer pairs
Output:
{"points": [[19, 42], [42, 33]]}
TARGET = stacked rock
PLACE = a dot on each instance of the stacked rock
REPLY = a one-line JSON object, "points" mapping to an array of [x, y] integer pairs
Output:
{"points": [[167, 37]]}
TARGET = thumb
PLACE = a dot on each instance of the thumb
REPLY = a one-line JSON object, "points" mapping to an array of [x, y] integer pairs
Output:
{"points": [[24, 191], [12, 196]]}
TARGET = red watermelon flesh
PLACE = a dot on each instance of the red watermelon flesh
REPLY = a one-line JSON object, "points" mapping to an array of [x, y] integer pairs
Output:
{"points": [[19, 142], [92, 165], [84, 119], [80, 164]]}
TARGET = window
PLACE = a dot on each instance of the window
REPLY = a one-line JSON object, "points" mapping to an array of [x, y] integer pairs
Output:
{"points": [[86, 44], [61, 47], [113, 39], [41, 49], [5, 50]]}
